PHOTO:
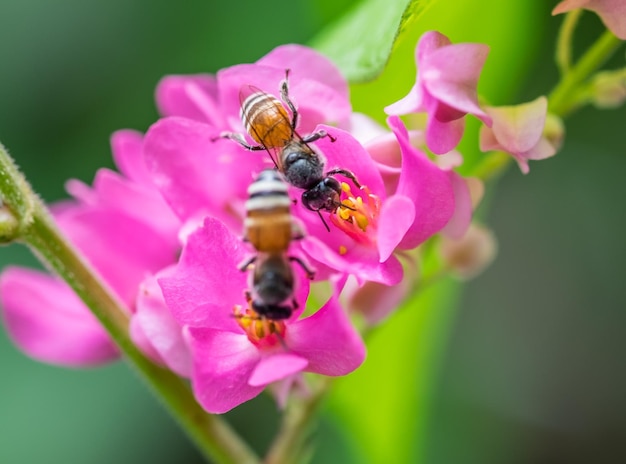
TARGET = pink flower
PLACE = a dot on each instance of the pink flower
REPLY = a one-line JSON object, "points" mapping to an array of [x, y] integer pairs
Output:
{"points": [[445, 89], [217, 174], [612, 12], [380, 220], [154, 329], [47, 321], [125, 231], [236, 354], [519, 131], [440, 202]]}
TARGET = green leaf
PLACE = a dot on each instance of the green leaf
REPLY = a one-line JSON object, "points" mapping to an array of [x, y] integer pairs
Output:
{"points": [[361, 41]]}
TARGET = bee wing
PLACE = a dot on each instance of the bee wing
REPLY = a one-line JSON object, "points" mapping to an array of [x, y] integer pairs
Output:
{"points": [[244, 93]]}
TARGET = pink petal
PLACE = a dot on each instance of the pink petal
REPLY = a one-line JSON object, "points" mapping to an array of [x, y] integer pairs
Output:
{"points": [[348, 153], [160, 328], [206, 282], [414, 101], [137, 201], [223, 365], [429, 43], [568, 5], [429, 188], [387, 150], [518, 128], [410, 103], [487, 139], [451, 75], [277, 366], [108, 237], [364, 129], [46, 320], [328, 340], [544, 149], [462, 216], [316, 102], [396, 217], [81, 192], [377, 301], [139, 338], [359, 260], [192, 96], [442, 137], [307, 62], [194, 172], [127, 149]]}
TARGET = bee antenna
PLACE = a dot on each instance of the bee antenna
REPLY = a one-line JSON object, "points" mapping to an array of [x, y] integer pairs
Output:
{"points": [[323, 221]]}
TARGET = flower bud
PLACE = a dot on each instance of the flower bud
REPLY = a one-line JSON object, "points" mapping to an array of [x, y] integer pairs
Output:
{"points": [[469, 256], [608, 89], [554, 131]]}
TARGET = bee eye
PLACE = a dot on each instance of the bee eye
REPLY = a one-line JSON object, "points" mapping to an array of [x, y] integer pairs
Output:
{"points": [[332, 183]]}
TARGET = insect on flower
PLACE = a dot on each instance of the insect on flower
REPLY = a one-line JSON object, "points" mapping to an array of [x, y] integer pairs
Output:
{"points": [[270, 228], [268, 123]]}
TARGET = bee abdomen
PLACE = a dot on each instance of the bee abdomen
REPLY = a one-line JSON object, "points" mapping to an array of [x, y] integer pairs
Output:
{"points": [[268, 225], [266, 120]]}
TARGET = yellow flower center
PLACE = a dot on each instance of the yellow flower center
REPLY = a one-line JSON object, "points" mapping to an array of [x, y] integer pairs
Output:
{"points": [[358, 215], [260, 330]]}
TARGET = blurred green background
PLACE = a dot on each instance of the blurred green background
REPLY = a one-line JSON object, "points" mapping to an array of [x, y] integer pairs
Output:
{"points": [[534, 368]]}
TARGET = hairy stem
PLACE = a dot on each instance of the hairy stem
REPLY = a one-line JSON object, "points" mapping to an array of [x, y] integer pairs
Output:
{"points": [[213, 436]]}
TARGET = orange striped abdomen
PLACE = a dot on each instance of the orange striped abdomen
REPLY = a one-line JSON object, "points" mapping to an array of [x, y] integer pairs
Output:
{"points": [[266, 120], [269, 231]]}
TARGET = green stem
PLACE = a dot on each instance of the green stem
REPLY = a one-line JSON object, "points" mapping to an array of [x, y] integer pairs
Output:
{"points": [[491, 165], [213, 436], [295, 426], [560, 101], [564, 41]]}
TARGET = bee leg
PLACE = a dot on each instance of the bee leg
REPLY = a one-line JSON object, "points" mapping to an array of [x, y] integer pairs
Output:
{"points": [[310, 273], [240, 140], [284, 95], [247, 263], [345, 173], [318, 135]]}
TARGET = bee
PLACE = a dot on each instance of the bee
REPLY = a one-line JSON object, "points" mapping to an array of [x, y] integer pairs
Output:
{"points": [[270, 228], [267, 121]]}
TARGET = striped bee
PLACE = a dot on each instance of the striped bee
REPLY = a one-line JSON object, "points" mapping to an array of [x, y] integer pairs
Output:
{"points": [[267, 121], [270, 228]]}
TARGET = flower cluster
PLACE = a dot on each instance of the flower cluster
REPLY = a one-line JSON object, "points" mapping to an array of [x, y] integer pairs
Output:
{"points": [[166, 232]]}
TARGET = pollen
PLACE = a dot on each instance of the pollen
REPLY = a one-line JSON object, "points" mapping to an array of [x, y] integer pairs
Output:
{"points": [[260, 330], [358, 213], [342, 250]]}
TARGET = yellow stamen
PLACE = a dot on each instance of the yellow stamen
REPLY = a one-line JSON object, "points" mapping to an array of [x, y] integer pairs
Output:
{"points": [[260, 330], [357, 215]]}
